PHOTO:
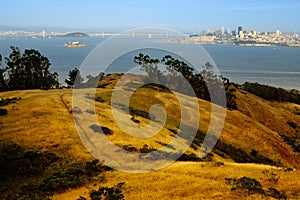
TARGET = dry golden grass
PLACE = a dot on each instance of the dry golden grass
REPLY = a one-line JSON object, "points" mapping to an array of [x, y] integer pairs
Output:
{"points": [[273, 115], [187, 180], [41, 121]]}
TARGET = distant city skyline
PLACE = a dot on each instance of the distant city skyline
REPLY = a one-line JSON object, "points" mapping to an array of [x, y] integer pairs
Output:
{"points": [[185, 16]]}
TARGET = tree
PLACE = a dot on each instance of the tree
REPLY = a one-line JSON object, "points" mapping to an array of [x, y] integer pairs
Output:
{"points": [[92, 81], [72, 78], [37, 74], [29, 70], [150, 66], [15, 70], [3, 81], [200, 82], [178, 66], [178, 74]]}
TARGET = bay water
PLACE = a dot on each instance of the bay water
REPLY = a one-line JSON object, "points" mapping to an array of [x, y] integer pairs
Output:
{"points": [[277, 66]]}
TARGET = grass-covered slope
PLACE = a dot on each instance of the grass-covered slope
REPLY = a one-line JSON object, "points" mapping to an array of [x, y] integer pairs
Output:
{"points": [[41, 122]]}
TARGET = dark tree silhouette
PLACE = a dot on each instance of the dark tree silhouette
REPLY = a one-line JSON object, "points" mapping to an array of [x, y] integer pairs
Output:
{"points": [[15, 70], [29, 70], [150, 66], [175, 65], [200, 82], [72, 78], [272, 93], [3, 81]]}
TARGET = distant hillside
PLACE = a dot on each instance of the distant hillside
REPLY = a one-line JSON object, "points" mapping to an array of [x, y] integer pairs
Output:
{"points": [[272, 93], [76, 34]]}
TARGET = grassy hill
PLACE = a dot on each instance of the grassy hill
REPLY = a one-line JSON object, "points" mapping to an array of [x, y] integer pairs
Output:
{"points": [[40, 122]]}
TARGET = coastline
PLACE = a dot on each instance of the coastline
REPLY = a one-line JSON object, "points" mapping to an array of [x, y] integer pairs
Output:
{"points": [[188, 41]]}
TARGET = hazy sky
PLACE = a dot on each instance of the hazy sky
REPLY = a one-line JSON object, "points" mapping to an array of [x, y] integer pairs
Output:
{"points": [[184, 15]]}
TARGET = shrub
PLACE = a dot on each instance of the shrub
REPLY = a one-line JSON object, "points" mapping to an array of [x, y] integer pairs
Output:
{"points": [[76, 110], [108, 193], [17, 161], [167, 145], [250, 184], [129, 148], [226, 150], [135, 120], [3, 111], [99, 99], [241, 156], [107, 131], [81, 198], [189, 157], [72, 177], [103, 85], [158, 154], [273, 192], [272, 93], [91, 111], [147, 149], [100, 129], [293, 141], [140, 113], [272, 177], [4, 102], [292, 124], [46, 171], [218, 164]]}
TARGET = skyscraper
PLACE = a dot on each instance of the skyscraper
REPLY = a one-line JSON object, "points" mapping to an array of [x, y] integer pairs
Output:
{"points": [[240, 29], [240, 32], [223, 30]]}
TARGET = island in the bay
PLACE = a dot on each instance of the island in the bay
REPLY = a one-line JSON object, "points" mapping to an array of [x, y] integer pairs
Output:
{"points": [[74, 44], [75, 34]]}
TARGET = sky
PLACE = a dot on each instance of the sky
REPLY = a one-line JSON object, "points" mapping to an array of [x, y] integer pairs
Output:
{"points": [[183, 15]]}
